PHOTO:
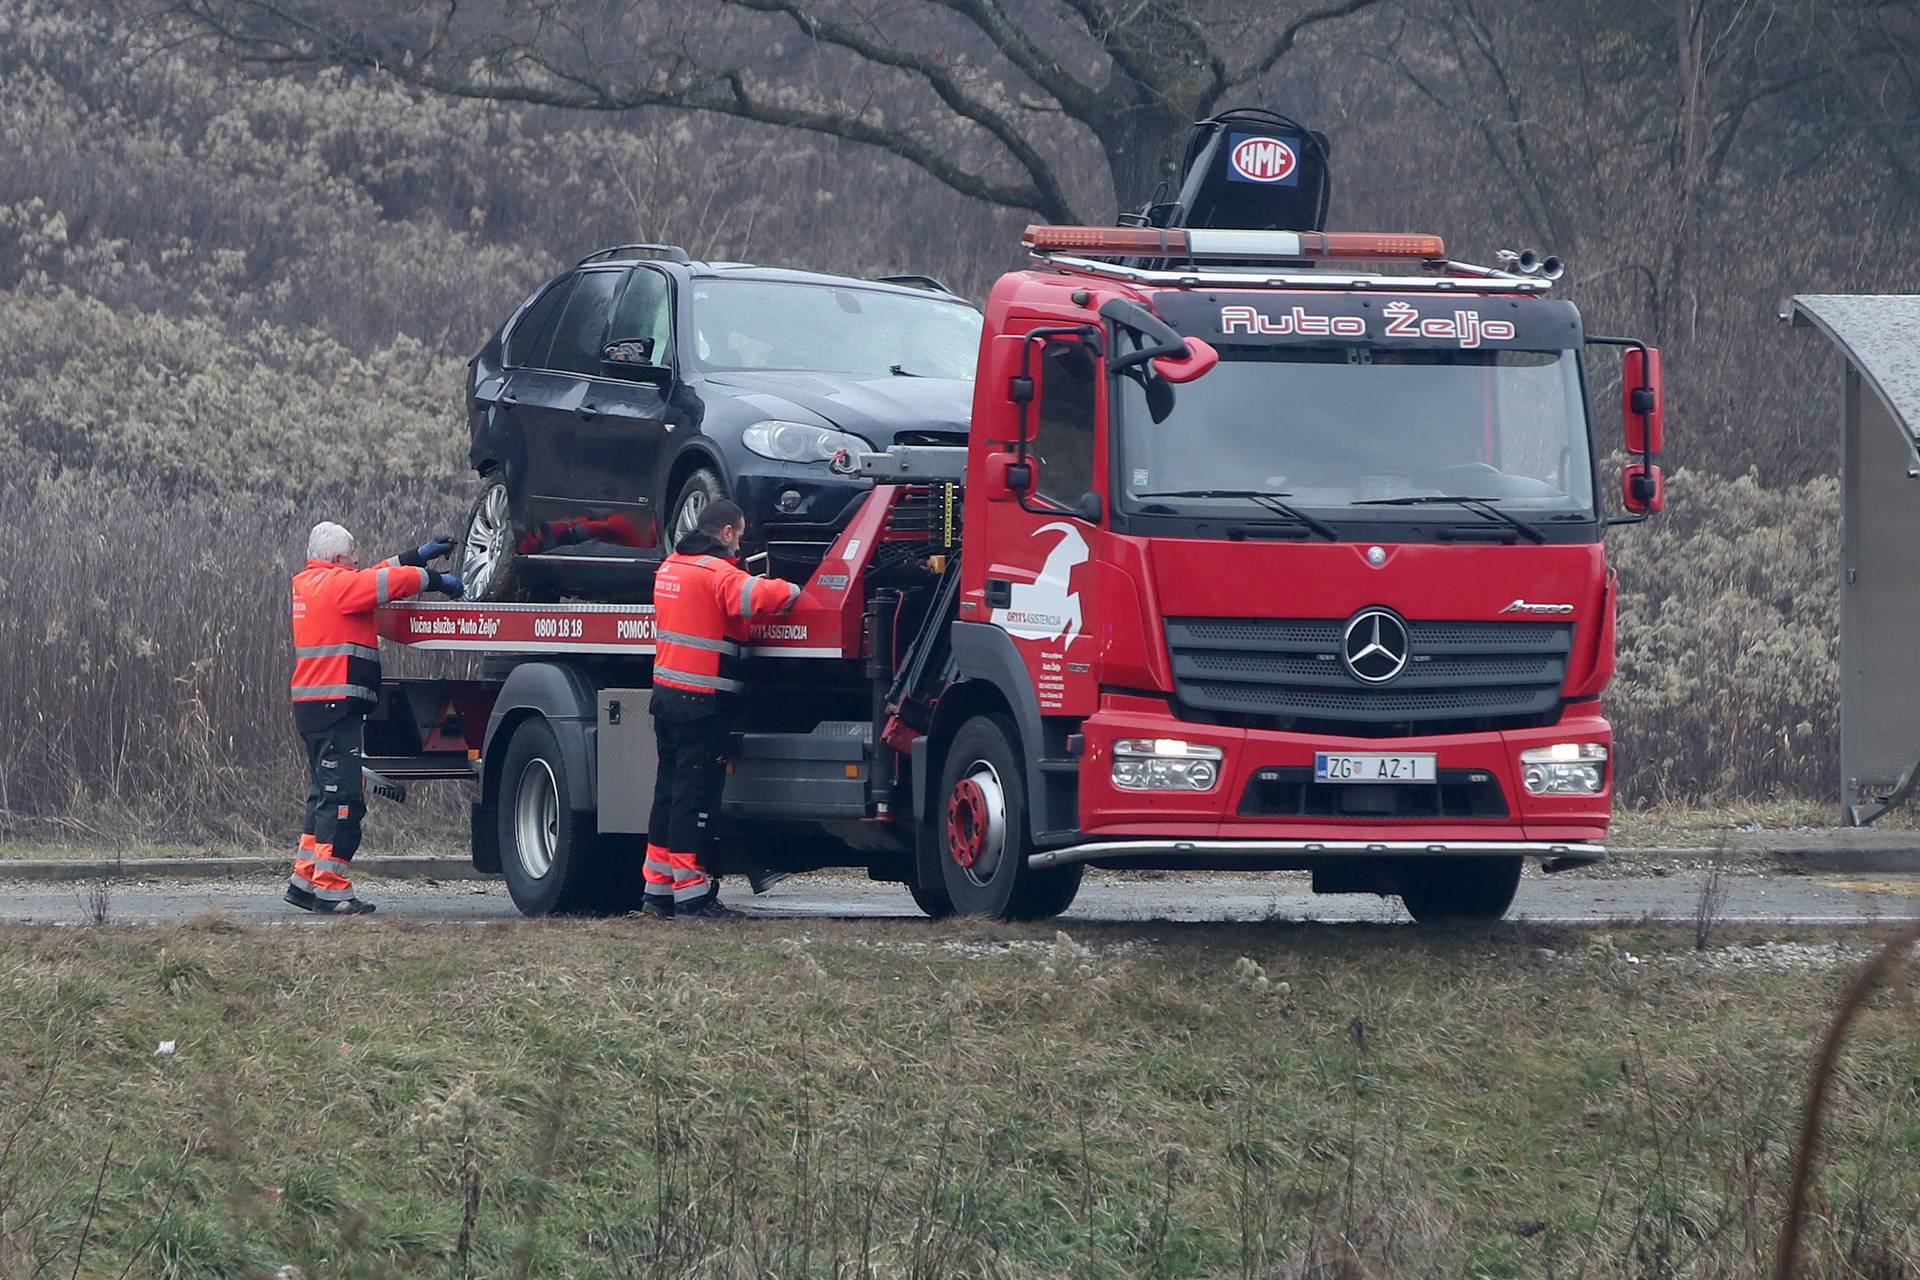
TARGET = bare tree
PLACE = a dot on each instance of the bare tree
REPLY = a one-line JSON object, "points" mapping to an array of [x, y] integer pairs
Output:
{"points": [[991, 97]]}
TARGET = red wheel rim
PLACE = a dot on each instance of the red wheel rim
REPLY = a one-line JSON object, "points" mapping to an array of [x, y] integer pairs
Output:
{"points": [[966, 822]]}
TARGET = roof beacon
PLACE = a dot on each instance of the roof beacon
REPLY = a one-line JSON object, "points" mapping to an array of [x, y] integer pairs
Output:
{"points": [[1230, 244]]}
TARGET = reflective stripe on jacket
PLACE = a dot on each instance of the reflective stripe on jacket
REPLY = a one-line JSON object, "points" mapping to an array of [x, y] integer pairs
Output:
{"points": [[701, 606], [336, 647]]}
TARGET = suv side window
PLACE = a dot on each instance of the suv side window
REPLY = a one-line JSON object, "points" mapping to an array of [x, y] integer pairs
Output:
{"points": [[1064, 436], [645, 314], [583, 325], [527, 344]]}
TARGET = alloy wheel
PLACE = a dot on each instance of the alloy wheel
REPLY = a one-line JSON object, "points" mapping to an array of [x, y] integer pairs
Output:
{"points": [[486, 542]]}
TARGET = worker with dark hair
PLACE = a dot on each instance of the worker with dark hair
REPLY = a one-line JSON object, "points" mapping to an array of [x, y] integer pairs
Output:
{"points": [[702, 603], [336, 681]]}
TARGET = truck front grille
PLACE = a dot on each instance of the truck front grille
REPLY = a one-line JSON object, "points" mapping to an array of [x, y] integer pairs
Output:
{"points": [[1287, 673]]}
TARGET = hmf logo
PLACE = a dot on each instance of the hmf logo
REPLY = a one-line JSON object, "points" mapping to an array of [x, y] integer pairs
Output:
{"points": [[1258, 159]]}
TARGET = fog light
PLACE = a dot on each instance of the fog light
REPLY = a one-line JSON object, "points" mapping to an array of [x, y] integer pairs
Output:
{"points": [[790, 501], [1165, 764], [1564, 769]]}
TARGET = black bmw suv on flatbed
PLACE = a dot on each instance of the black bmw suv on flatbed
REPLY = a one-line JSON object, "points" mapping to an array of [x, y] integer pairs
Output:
{"points": [[629, 392]]}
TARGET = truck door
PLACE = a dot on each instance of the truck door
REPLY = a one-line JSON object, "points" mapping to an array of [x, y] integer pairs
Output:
{"points": [[1037, 586]]}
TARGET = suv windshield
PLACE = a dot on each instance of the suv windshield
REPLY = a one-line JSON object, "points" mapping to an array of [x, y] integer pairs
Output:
{"points": [[765, 324], [1333, 428]]}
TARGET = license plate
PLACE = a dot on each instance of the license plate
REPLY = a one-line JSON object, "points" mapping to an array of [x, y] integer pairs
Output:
{"points": [[1332, 767]]}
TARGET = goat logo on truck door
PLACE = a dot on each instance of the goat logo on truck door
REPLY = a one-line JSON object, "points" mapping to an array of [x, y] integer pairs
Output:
{"points": [[1048, 608], [1044, 619]]}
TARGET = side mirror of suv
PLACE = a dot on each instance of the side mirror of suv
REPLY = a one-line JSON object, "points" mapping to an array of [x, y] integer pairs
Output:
{"points": [[632, 360]]}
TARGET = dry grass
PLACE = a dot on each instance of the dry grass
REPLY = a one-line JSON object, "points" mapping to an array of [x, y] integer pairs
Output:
{"points": [[880, 1100]]}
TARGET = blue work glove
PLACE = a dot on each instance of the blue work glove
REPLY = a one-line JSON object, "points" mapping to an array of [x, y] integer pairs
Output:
{"points": [[433, 550], [451, 587]]}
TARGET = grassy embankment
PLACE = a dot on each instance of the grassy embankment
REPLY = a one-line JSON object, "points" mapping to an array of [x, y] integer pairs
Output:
{"points": [[894, 1100]]}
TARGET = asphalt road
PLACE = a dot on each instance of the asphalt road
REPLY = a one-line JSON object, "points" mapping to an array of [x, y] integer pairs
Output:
{"points": [[1565, 899]]}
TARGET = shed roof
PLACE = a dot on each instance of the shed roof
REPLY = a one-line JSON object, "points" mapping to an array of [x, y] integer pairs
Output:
{"points": [[1881, 335]]}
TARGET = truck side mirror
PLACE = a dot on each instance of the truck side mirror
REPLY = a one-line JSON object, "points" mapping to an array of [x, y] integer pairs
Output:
{"points": [[1642, 488], [1197, 362], [1641, 401]]}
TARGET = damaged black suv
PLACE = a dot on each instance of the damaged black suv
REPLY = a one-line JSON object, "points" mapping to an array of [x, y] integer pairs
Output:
{"points": [[633, 389]]}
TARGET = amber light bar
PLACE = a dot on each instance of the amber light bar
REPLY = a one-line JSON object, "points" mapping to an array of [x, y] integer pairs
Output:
{"points": [[1180, 242]]}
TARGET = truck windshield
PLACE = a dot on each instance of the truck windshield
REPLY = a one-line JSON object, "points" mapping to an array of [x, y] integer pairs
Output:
{"points": [[772, 324], [1330, 429]]}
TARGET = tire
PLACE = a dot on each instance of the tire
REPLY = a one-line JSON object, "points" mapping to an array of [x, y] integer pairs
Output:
{"points": [[980, 831], [695, 492], [489, 560], [554, 861], [1460, 890], [930, 895]]}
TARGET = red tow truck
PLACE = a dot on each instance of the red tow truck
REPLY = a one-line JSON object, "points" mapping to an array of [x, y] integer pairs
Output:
{"points": [[1269, 551]]}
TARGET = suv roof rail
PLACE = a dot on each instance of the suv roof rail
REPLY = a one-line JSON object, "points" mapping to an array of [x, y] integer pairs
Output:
{"points": [[914, 282], [671, 252]]}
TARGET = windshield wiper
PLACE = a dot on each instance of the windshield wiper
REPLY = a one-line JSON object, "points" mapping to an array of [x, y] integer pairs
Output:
{"points": [[1479, 506], [1271, 501], [901, 371]]}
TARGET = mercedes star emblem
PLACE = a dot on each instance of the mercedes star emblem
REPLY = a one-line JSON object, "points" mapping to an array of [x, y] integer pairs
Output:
{"points": [[1375, 647]]}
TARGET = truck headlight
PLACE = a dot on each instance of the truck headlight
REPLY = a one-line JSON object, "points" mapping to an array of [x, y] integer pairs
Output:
{"points": [[1165, 764], [1564, 769], [799, 441]]}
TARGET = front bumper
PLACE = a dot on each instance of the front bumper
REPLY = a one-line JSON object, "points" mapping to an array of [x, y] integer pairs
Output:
{"points": [[1339, 820]]}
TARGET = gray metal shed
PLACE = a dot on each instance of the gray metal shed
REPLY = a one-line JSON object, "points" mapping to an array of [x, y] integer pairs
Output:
{"points": [[1880, 514]]}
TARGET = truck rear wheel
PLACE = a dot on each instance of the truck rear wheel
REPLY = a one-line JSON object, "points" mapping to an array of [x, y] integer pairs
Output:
{"points": [[553, 858], [1459, 890], [981, 831]]}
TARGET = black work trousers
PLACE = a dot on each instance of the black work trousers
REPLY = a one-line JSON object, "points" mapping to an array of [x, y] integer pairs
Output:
{"points": [[686, 803], [336, 802]]}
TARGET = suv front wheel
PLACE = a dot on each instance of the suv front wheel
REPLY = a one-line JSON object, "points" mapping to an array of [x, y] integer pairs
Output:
{"points": [[699, 489]]}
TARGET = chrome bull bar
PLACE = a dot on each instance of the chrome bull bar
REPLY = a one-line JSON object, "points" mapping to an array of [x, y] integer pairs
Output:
{"points": [[1557, 855]]}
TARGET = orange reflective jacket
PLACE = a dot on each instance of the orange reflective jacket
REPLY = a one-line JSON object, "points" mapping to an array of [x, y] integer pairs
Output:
{"points": [[336, 649], [701, 607]]}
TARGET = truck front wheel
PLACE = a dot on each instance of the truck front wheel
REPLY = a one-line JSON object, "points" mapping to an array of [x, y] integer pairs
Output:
{"points": [[1459, 890], [551, 855], [981, 831]]}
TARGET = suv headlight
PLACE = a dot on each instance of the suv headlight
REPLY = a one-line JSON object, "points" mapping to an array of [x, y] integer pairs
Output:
{"points": [[799, 442], [1564, 769], [1165, 764]]}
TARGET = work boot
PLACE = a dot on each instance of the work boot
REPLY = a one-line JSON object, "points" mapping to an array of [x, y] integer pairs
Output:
{"points": [[762, 880], [709, 908], [655, 906], [298, 897], [351, 907]]}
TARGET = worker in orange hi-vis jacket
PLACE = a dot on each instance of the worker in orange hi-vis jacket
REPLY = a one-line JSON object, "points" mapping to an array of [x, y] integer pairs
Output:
{"points": [[336, 681], [702, 603]]}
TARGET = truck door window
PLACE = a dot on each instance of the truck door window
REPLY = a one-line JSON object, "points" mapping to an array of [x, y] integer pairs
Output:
{"points": [[643, 314], [583, 325], [1063, 438], [527, 345]]}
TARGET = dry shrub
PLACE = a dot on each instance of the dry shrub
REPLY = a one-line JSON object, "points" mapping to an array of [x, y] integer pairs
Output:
{"points": [[1728, 680]]}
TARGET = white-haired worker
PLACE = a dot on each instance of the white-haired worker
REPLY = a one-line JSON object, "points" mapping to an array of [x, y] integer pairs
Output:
{"points": [[336, 681]]}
